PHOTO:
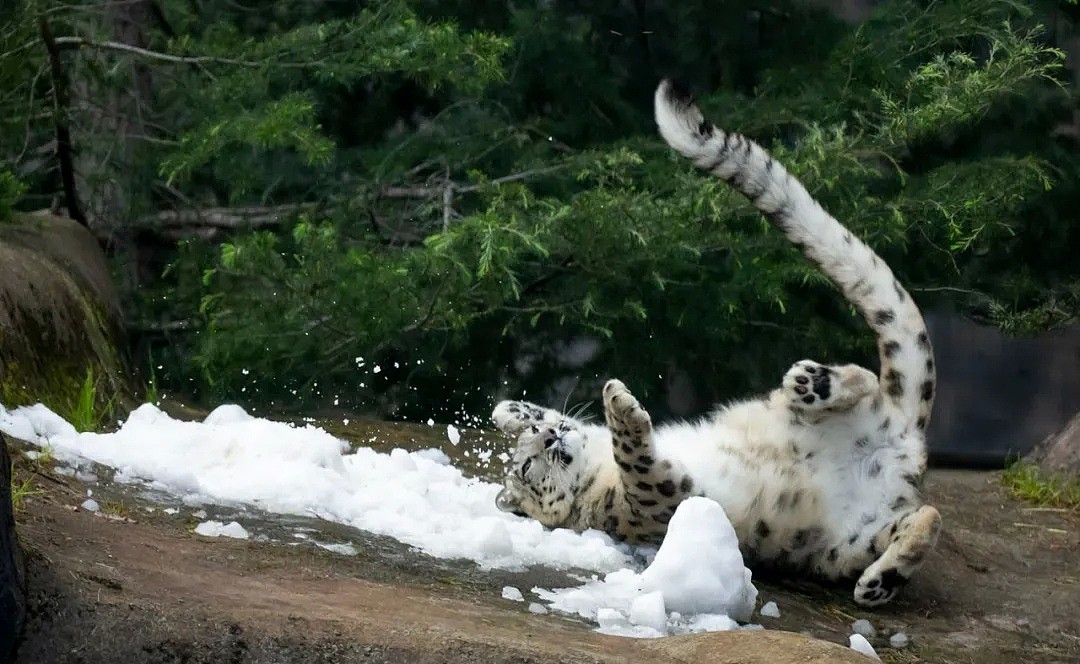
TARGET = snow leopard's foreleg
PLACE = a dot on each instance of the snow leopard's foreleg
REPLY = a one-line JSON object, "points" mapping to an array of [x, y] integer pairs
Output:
{"points": [[814, 387], [653, 487]]}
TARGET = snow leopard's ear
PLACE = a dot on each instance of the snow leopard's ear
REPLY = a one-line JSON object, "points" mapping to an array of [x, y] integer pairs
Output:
{"points": [[508, 501]]}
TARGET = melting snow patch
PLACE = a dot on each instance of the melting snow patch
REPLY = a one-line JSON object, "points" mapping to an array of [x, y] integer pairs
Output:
{"points": [[899, 640], [537, 608], [236, 460], [770, 610], [513, 594], [219, 529], [90, 505], [695, 582], [697, 572], [858, 643]]}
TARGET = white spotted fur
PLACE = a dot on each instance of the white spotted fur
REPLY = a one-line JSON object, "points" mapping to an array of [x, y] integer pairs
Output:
{"points": [[853, 459]]}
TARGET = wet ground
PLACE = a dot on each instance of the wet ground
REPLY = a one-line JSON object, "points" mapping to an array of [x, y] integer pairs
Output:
{"points": [[1003, 586]]}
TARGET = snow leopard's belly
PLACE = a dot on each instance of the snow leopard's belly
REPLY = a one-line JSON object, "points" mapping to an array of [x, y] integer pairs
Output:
{"points": [[799, 497]]}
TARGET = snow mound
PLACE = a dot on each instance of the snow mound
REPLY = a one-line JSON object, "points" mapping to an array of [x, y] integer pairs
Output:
{"points": [[770, 610], [699, 568], [698, 571], [234, 459]]}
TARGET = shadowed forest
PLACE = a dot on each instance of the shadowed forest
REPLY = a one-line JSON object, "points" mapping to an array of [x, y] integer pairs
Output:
{"points": [[407, 207]]}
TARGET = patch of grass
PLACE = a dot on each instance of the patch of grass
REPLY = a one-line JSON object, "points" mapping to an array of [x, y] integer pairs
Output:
{"points": [[84, 412], [21, 490], [1028, 482], [116, 508], [150, 391], [45, 460]]}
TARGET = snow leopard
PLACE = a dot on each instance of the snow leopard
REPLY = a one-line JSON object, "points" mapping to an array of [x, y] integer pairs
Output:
{"points": [[820, 476]]}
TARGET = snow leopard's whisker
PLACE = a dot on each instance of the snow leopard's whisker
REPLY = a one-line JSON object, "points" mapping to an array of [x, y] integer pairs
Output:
{"points": [[570, 393], [578, 412]]}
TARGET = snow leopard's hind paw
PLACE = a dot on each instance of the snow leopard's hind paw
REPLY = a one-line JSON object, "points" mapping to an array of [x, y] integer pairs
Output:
{"points": [[513, 417], [907, 542], [811, 386]]}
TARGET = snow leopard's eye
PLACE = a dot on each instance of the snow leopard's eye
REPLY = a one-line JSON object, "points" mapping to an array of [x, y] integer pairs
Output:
{"points": [[526, 466], [534, 428]]}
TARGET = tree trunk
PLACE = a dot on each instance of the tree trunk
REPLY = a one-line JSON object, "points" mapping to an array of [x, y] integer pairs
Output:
{"points": [[1059, 453]]}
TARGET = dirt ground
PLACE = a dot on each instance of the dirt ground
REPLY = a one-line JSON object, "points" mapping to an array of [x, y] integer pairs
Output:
{"points": [[131, 586]]}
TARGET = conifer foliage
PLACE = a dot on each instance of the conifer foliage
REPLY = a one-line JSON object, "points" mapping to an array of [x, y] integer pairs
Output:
{"points": [[472, 196]]}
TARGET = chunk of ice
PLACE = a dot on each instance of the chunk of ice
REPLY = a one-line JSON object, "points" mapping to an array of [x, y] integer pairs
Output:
{"points": [[219, 529], [858, 643], [863, 628], [513, 594]]}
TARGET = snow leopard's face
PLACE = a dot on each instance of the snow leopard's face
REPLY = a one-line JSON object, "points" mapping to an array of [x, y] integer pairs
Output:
{"points": [[545, 473]]}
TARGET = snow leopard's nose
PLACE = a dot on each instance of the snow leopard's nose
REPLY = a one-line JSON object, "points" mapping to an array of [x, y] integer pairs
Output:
{"points": [[550, 438]]}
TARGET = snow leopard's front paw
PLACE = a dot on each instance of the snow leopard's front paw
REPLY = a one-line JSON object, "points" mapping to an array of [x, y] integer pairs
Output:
{"points": [[622, 410], [513, 417]]}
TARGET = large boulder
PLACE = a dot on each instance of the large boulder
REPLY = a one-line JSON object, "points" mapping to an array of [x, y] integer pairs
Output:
{"points": [[1059, 453], [60, 317]]}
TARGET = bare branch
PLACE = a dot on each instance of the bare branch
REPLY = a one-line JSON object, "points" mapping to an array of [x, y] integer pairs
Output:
{"points": [[436, 192], [108, 45], [257, 216]]}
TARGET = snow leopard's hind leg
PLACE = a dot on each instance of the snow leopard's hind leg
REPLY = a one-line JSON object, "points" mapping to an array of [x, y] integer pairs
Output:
{"points": [[513, 417], [811, 386], [653, 488], [905, 543]]}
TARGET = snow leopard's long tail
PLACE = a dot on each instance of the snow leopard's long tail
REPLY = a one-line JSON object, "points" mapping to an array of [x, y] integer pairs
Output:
{"points": [[907, 360]]}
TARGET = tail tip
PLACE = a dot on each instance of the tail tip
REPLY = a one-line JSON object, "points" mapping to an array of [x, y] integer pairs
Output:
{"points": [[679, 119], [676, 93]]}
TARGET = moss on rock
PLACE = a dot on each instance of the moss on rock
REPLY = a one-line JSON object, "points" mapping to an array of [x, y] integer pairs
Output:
{"points": [[60, 318]]}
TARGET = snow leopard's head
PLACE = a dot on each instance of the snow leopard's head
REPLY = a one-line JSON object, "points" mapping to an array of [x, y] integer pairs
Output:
{"points": [[546, 473]]}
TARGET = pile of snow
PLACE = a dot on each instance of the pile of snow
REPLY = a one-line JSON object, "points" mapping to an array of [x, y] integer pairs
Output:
{"points": [[696, 582], [232, 458], [899, 640], [770, 610]]}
